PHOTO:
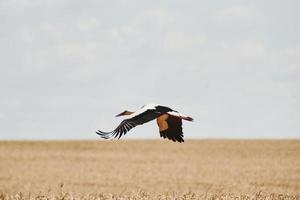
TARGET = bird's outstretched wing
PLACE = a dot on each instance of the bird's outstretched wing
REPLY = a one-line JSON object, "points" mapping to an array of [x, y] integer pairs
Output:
{"points": [[122, 129], [130, 123], [170, 127]]}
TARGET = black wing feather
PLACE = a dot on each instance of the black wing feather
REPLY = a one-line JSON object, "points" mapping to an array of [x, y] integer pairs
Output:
{"points": [[127, 124], [174, 131], [119, 131]]}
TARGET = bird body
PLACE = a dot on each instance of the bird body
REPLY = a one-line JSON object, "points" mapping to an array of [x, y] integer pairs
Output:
{"points": [[168, 120]]}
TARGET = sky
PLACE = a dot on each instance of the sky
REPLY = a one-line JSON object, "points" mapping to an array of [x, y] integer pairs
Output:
{"points": [[68, 67]]}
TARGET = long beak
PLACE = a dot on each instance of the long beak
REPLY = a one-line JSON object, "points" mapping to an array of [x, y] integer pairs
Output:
{"points": [[121, 114]]}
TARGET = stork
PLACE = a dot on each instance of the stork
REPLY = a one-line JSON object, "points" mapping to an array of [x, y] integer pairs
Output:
{"points": [[168, 120]]}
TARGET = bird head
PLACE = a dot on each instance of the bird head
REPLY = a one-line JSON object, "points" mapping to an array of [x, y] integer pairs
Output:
{"points": [[126, 112]]}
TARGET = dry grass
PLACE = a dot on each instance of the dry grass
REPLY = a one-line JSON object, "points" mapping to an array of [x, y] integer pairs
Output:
{"points": [[152, 169]]}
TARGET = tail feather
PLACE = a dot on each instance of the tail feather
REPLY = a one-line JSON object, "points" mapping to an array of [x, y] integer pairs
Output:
{"points": [[181, 116]]}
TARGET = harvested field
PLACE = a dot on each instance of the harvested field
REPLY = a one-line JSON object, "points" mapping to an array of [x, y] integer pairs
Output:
{"points": [[150, 169]]}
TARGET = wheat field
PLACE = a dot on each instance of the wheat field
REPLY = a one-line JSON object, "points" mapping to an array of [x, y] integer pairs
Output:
{"points": [[150, 169]]}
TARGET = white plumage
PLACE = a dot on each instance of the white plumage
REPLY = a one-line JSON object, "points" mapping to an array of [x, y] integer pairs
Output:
{"points": [[169, 122]]}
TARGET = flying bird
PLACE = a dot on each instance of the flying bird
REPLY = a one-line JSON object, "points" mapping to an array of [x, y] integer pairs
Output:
{"points": [[168, 120]]}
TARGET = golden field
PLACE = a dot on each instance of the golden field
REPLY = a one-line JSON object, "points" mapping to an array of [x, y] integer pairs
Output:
{"points": [[150, 169]]}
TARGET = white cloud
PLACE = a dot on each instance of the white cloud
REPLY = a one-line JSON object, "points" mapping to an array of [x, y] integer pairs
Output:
{"points": [[181, 42], [11, 7], [84, 62], [143, 27], [88, 24], [236, 13]]}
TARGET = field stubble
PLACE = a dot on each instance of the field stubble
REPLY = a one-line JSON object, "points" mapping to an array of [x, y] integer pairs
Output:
{"points": [[150, 169]]}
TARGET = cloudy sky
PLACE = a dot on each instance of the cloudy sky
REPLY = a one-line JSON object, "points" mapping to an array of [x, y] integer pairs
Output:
{"points": [[67, 67]]}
